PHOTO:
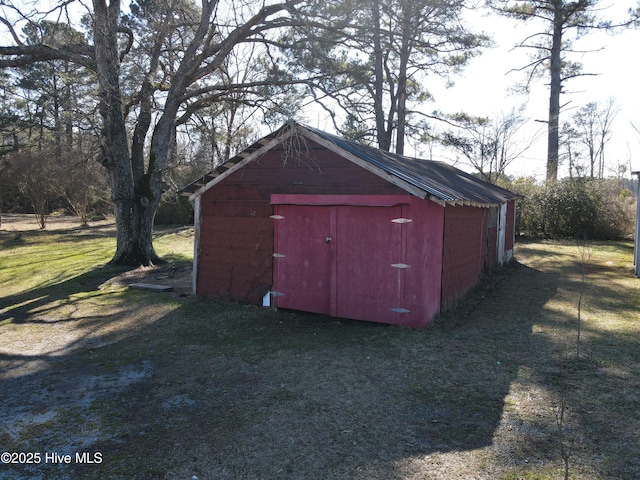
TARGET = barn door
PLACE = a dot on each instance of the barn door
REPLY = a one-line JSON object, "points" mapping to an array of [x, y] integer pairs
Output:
{"points": [[370, 274], [344, 261], [302, 258]]}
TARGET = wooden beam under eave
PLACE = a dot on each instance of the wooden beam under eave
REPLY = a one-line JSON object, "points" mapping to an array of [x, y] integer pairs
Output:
{"points": [[437, 200]]}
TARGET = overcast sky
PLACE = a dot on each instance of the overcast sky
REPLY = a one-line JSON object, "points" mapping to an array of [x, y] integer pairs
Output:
{"points": [[484, 88]]}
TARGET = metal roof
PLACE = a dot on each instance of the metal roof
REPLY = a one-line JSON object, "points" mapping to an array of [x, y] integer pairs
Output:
{"points": [[435, 179]]}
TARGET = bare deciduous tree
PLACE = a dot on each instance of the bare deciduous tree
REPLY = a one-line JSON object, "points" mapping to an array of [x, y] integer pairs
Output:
{"points": [[489, 145], [143, 100], [34, 173], [593, 123]]}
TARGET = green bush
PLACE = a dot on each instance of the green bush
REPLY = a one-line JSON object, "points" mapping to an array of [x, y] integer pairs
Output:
{"points": [[574, 208]]}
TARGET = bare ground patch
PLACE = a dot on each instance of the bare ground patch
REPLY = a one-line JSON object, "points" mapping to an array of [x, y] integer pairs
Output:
{"points": [[175, 275]]}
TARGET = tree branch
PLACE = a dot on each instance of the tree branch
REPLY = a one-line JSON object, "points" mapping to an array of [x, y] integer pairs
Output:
{"points": [[13, 33], [129, 33], [22, 55]]}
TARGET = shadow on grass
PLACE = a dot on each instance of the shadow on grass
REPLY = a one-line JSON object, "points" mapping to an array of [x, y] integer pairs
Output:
{"points": [[253, 393], [216, 390], [21, 307], [68, 279]]}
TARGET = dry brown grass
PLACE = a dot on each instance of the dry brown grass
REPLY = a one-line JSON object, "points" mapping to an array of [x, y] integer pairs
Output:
{"points": [[172, 387]]}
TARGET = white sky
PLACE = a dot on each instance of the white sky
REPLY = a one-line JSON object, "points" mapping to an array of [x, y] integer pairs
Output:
{"points": [[483, 89]]}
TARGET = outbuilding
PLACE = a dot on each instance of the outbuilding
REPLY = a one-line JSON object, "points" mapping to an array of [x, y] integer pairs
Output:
{"points": [[309, 221]]}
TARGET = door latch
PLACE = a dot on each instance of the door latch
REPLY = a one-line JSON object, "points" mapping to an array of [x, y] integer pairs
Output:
{"points": [[327, 239]]}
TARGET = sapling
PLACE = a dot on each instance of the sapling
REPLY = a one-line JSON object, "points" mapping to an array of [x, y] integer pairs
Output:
{"points": [[585, 259], [566, 444], [565, 447]]}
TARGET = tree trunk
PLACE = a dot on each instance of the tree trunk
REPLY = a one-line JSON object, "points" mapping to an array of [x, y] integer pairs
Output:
{"points": [[554, 95], [134, 220], [384, 141], [133, 205], [405, 52]]}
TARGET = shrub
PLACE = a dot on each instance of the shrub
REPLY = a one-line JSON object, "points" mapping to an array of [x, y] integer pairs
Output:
{"points": [[573, 208], [174, 210], [529, 214]]}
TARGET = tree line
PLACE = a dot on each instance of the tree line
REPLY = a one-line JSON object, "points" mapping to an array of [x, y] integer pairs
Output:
{"points": [[162, 86]]}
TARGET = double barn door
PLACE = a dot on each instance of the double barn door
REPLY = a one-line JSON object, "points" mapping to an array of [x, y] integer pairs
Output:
{"points": [[344, 261]]}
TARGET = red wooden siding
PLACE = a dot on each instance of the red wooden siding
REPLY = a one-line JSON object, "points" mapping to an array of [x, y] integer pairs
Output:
{"points": [[234, 258], [236, 238], [465, 238], [471, 247], [235, 242], [320, 172], [424, 254]]}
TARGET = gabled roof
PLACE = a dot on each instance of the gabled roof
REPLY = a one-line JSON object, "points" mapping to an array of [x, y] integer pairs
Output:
{"points": [[437, 180]]}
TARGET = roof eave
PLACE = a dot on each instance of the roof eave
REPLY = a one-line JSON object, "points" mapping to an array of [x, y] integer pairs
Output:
{"points": [[472, 203], [240, 160]]}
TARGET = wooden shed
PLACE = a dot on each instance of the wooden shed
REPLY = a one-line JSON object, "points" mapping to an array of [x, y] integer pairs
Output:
{"points": [[309, 221]]}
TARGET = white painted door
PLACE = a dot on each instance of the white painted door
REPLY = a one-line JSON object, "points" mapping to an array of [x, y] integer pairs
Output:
{"points": [[502, 223]]}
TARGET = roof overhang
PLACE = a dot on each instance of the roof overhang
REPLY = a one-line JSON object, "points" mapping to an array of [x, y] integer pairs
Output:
{"points": [[389, 167]]}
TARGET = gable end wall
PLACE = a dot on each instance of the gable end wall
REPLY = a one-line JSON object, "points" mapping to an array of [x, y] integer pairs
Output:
{"points": [[235, 258]]}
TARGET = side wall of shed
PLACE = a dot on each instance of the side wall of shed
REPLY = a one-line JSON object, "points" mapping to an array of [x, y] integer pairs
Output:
{"points": [[464, 250], [235, 244]]}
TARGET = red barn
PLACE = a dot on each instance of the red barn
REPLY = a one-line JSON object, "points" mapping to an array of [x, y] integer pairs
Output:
{"points": [[309, 221]]}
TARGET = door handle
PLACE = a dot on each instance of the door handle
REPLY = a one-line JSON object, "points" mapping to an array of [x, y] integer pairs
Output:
{"points": [[327, 239]]}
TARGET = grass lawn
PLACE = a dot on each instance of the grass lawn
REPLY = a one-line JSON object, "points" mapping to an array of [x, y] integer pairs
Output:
{"points": [[166, 386]]}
